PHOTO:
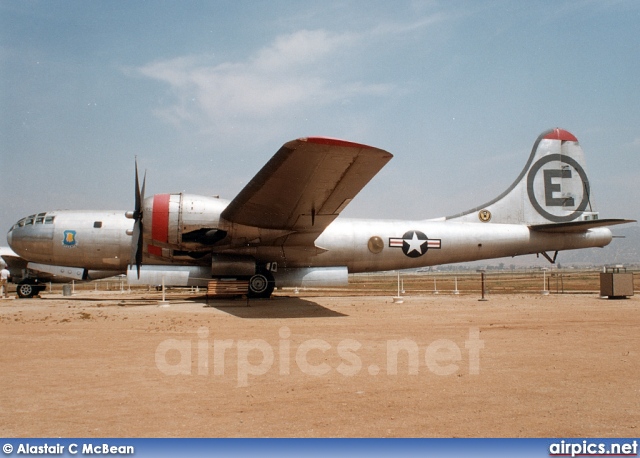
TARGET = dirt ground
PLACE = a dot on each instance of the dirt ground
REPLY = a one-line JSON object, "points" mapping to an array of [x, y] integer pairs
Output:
{"points": [[101, 364]]}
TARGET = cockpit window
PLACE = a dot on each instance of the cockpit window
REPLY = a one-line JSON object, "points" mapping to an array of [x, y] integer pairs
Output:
{"points": [[40, 218]]}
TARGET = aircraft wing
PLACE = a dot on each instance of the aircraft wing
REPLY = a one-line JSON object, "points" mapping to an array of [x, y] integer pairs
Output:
{"points": [[305, 185], [8, 256], [14, 263]]}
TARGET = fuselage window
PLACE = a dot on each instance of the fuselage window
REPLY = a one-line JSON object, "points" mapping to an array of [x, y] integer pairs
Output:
{"points": [[97, 224]]}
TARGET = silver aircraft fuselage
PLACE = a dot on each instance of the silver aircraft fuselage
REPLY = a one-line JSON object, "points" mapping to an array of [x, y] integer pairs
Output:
{"points": [[101, 240], [347, 242], [379, 245]]}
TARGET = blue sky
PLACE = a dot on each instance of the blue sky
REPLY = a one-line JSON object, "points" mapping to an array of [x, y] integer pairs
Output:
{"points": [[204, 93]]}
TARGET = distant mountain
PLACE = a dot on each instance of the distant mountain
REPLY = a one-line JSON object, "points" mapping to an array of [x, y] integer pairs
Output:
{"points": [[624, 249]]}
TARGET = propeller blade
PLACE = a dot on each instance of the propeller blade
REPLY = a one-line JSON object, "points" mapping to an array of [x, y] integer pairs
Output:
{"points": [[137, 242], [140, 244], [138, 200], [144, 182]]}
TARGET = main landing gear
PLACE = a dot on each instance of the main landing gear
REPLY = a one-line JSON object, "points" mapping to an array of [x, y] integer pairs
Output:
{"points": [[261, 285]]}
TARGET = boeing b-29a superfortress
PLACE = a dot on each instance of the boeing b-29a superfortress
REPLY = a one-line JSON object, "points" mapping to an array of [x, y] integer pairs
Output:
{"points": [[282, 229]]}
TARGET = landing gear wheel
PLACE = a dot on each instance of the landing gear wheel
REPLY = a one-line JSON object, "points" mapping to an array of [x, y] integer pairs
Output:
{"points": [[261, 286]]}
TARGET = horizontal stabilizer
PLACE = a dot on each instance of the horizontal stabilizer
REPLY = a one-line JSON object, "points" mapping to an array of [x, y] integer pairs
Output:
{"points": [[578, 226]]}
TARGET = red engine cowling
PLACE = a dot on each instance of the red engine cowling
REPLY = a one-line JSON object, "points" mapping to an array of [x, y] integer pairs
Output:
{"points": [[181, 222]]}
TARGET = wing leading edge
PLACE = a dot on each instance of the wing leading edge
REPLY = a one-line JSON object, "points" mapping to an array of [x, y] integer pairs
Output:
{"points": [[305, 186]]}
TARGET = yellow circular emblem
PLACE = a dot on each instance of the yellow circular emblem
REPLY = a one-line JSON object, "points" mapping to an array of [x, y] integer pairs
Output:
{"points": [[485, 216], [375, 244]]}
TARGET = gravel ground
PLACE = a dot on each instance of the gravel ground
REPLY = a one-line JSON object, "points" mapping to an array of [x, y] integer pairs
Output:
{"points": [[103, 364]]}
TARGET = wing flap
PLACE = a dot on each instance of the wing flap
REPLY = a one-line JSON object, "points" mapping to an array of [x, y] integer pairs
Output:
{"points": [[306, 184]]}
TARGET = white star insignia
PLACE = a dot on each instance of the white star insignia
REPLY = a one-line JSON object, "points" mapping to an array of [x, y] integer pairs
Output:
{"points": [[415, 244]]}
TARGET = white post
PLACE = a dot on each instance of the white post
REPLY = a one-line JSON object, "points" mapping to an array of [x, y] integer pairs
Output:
{"points": [[163, 302], [455, 282], [545, 292], [435, 286], [398, 299]]}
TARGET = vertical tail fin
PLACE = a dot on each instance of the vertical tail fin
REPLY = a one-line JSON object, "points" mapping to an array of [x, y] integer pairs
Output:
{"points": [[553, 187]]}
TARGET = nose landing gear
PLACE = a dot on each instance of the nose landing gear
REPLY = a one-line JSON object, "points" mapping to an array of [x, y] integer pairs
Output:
{"points": [[28, 288]]}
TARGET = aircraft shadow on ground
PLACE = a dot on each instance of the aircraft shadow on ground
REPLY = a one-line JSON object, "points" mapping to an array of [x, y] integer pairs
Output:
{"points": [[106, 301], [278, 307]]}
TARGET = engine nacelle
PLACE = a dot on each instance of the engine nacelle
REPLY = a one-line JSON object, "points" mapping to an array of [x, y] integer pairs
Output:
{"points": [[182, 221], [190, 223]]}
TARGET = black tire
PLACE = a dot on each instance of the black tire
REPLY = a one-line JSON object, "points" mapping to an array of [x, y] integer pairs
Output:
{"points": [[261, 285], [26, 290]]}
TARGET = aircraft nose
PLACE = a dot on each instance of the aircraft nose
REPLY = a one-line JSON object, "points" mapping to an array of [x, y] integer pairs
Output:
{"points": [[14, 236], [33, 235]]}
